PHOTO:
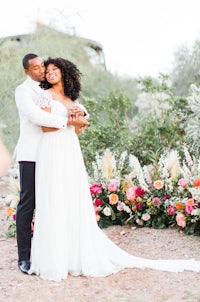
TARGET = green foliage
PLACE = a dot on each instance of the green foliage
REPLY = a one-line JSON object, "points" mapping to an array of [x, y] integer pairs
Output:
{"points": [[108, 128], [96, 82]]}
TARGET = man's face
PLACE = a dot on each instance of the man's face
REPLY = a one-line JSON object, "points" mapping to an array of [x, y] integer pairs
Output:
{"points": [[36, 69]]}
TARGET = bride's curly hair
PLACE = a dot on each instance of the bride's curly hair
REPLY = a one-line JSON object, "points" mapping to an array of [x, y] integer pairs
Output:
{"points": [[71, 77]]}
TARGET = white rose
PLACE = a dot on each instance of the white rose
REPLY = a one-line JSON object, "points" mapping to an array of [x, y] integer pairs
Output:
{"points": [[196, 212], [107, 211]]}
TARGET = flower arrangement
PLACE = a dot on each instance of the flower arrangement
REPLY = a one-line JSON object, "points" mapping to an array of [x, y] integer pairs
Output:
{"points": [[11, 200], [164, 194]]}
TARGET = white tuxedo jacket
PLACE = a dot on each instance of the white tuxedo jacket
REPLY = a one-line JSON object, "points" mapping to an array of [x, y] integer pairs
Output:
{"points": [[31, 118]]}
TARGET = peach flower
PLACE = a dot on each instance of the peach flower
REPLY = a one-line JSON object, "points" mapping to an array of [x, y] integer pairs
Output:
{"points": [[180, 219], [134, 208], [190, 201], [196, 182], [113, 199], [98, 217], [158, 184], [9, 211]]}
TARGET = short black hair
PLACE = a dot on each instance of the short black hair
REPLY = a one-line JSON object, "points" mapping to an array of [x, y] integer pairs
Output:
{"points": [[26, 58]]}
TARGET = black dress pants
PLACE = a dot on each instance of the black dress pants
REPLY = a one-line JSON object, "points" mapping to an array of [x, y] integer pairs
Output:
{"points": [[25, 209]]}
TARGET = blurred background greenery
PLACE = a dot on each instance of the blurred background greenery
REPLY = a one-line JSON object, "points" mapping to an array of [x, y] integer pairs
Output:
{"points": [[144, 116]]}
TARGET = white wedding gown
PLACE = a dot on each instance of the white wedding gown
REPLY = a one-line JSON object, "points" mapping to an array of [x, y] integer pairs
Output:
{"points": [[67, 239]]}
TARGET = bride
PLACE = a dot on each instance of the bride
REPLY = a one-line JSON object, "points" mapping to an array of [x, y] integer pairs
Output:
{"points": [[67, 239]]}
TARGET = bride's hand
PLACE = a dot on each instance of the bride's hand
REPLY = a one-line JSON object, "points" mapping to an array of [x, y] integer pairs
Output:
{"points": [[78, 130], [75, 111]]}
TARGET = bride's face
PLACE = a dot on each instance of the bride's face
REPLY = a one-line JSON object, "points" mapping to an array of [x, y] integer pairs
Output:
{"points": [[53, 74]]}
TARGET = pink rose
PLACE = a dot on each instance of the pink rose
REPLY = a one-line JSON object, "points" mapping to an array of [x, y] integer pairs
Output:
{"points": [[170, 210], [180, 219], [96, 189], [112, 186], [98, 202], [139, 191], [120, 207], [182, 182], [97, 209], [156, 201], [189, 208], [145, 216], [130, 194]]}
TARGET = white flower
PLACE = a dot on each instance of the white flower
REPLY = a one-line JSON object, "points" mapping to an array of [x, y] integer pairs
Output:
{"points": [[137, 169], [139, 222], [196, 212], [12, 200], [107, 211]]}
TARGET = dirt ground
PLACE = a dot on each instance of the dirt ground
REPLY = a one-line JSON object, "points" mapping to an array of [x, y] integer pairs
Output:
{"points": [[129, 285]]}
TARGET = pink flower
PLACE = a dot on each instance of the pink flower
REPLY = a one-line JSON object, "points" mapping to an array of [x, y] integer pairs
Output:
{"points": [[139, 191], [170, 210], [32, 226], [130, 194], [156, 201], [139, 205], [97, 209], [112, 186], [182, 182], [98, 202], [189, 208], [120, 207], [96, 189], [145, 216], [180, 219]]}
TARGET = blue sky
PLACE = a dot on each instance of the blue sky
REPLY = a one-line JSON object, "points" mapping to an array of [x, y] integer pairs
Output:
{"points": [[139, 37]]}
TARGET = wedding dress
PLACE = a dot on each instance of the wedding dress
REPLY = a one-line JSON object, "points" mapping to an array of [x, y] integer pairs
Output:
{"points": [[67, 239]]}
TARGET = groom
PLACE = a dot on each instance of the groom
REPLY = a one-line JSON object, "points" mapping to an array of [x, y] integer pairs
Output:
{"points": [[31, 118]]}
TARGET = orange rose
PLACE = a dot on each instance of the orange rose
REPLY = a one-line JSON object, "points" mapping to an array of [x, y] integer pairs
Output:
{"points": [[190, 202], [113, 199], [196, 182], [179, 206], [9, 211], [158, 184]]}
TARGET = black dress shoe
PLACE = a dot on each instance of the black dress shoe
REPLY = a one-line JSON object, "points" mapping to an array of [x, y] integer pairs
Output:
{"points": [[24, 266]]}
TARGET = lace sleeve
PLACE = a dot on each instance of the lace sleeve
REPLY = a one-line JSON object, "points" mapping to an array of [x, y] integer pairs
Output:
{"points": [[45, 99]]}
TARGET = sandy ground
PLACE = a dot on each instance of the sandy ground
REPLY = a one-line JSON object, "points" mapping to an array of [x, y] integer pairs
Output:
{"points": [[129, 285]]}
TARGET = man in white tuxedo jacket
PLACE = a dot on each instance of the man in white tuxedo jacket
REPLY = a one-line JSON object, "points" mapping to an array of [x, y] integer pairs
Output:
{"points": [[31, 118]]}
